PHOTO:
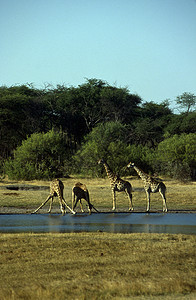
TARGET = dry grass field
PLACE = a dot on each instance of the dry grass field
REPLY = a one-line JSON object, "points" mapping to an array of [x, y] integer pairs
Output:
{"points": [[97, 265]]}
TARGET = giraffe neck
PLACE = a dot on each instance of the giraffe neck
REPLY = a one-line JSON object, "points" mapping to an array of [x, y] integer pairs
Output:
{"points": [[112, 177], [142, 175]]}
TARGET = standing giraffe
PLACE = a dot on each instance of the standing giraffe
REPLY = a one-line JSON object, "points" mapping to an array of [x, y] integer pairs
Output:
{"points": [[80, 192], [117, 185], [56, 190], [151, 185]]}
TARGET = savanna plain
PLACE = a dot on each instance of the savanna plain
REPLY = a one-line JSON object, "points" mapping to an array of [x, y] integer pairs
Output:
{"points": [[97, 265]]}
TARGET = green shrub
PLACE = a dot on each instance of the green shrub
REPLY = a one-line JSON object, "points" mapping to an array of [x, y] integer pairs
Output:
{"points": [[177, 156], [40, 156], [96, 145], [108, 141]]}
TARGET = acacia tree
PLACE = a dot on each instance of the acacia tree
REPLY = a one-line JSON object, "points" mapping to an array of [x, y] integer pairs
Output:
{"points": [[96, 101], [186, 101]]}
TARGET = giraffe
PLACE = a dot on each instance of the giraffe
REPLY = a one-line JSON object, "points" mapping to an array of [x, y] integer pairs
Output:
{"points": [[80, 192], [151, 185], [56, 190], [117, 184]]}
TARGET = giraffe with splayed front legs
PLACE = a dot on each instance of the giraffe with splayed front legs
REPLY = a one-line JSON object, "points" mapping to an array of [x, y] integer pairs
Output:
{"points": [[151, 185], [56, 190], [80, 192], [117, 184]]}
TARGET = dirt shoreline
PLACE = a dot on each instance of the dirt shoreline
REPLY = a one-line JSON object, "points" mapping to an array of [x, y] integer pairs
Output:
{"points": [[18, 210]]}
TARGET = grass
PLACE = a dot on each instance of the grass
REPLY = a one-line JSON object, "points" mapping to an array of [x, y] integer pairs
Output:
{"points": [[97, 266], [179, 196]]}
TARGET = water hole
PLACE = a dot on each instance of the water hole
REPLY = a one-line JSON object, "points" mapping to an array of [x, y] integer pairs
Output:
{"points": [[184, 223]]}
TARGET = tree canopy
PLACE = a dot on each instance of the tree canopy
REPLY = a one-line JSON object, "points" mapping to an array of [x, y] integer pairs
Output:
{"points": [[42, 155], [97, 120], [186, 101]]}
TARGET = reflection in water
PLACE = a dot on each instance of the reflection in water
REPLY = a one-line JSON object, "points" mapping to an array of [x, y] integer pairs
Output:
{"points": [[106, 222], [55, 222]]}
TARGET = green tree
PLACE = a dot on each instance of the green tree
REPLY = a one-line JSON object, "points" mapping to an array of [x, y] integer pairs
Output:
{"points": [[21, 114], [75, 110], [148, 128], [177, 155], [186, 101], [183, 123], [42, 155], [108, 141], [118, 104], [100, 142], [71, 111], [96, 102]]}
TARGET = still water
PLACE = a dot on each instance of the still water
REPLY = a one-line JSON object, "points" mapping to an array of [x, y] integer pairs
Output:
{"points": [[184, 223]]}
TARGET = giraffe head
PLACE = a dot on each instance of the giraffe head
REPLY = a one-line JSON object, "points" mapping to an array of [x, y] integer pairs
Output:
{"points": [[101, 161], [130, 165]]}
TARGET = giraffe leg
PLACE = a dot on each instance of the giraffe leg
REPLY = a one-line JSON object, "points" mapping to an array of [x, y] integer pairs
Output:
{"points": [[164, 200], [50, 208], [73, 200], [62, 206], [81, 207], [131, 202], [90, 210], [114, 200], [148, 200], [65, 204], [129, 195], [75, 204], [90, 206], [50, 196]]}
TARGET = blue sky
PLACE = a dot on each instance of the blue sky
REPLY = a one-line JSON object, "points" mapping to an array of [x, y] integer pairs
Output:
{"points": [[148, 46]]}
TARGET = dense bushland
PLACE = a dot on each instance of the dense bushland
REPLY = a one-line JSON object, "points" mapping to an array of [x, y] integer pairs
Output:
{"points": [[41, 156], [56, 131]]}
